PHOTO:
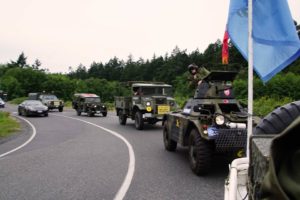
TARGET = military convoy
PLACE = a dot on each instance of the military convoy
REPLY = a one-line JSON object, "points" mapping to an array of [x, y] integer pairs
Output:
{"points": [[48, 99], [148, 103], [88, 103], [211, 122]]}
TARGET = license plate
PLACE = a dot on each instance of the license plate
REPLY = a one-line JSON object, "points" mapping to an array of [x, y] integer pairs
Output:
{"points": [[39, 111], [163, 109], [148, 115]]}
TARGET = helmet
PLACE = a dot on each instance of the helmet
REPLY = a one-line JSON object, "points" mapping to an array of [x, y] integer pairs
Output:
{"points": [[192, 66]]}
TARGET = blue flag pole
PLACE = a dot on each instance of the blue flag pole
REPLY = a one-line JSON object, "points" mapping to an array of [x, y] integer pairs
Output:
{"points": [[250, 75]]}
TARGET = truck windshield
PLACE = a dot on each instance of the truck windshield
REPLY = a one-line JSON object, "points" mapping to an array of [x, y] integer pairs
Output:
{"points": [[92, 100], [49, 97], [166, 91]]}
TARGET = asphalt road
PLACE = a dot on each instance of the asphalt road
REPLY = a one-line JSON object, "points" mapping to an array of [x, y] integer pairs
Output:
{"points": [[72, 159]]}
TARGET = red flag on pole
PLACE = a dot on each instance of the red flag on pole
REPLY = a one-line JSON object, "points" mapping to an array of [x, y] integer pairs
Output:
{"points": [[225, 53]]}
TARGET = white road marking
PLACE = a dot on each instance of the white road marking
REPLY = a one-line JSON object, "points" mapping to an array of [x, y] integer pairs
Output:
{"points": [[27, 142], [131, 166]]}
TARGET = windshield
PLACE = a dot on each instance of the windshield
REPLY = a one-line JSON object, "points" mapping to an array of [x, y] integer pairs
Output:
{"points": [[33, 103], [92, 100], [166, 91], [48, 97]]}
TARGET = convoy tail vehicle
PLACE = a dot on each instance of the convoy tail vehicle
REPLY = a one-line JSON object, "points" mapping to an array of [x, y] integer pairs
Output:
{"points": [[148, 103], [88, 103], [211, 122]]}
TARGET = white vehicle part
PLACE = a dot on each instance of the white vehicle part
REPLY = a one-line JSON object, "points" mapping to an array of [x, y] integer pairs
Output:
{"points": [[236, 125], [236, 184]]}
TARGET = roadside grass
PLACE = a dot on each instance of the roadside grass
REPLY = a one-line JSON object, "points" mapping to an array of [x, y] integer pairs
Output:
{"points": [[8, 125]]}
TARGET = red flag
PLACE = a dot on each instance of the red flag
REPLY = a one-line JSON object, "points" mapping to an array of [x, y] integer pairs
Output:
{"points": [[225, 53]]}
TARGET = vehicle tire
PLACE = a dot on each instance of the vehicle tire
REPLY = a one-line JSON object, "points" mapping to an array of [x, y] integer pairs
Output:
{"points": [[46, 115], [200, 153], [122, 118], [170, 145], [60, 109], [19, 113], [276, 121], [139, 122], [78, 112], [104, 114]]}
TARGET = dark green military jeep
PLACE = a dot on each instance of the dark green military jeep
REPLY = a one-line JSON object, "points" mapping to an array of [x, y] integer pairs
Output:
{"points": [[211, 122], [88, 103]]}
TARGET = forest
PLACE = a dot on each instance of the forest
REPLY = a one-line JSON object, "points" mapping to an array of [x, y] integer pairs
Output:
{"points": [[18, 78]]}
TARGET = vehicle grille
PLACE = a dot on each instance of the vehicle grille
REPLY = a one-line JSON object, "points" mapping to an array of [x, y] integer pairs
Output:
{"points": [[161, 101], [229, 140]]}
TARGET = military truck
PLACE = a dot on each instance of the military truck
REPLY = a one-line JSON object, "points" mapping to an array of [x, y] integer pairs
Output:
{"points": [[48, 99], [271, 170], [148, 103], [211, 122], [88, 103]]}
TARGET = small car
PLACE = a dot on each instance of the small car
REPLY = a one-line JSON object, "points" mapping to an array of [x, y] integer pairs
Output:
{"points": [[32, 107], [2, 103]]}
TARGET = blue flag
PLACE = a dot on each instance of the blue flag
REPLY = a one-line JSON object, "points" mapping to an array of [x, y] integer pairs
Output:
{"points": [[275, 40]]}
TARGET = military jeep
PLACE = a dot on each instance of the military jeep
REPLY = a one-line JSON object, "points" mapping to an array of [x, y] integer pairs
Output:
{"points": [[148, 103], [88, 103], [48, 99], [211, 122]]}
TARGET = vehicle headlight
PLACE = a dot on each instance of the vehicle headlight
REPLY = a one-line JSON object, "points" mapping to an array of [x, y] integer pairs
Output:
{"points": [[95, 106], [220, 120], [148, 103]]}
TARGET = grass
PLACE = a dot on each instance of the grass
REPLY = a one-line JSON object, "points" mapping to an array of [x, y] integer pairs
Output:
{"points": [[8, 125]]}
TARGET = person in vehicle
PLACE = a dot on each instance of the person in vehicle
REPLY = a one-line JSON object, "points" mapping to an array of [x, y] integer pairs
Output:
{"points": [[196, 75]]}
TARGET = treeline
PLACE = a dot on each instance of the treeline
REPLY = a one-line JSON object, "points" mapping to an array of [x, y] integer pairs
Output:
{"points": [[18, 78]]}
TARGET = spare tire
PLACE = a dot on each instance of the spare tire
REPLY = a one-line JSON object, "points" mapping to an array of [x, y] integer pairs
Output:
{"points": [[280, 118]]}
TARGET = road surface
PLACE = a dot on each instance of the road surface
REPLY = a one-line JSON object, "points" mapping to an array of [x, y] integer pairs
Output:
{"points": [[81, 157]]}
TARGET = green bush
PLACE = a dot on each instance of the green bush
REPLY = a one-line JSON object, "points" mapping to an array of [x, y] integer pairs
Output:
{"points": [[265, 105], [18, 100]]}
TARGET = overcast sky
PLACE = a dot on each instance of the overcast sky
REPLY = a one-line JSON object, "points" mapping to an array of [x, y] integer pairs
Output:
{"points": [[63, 33]]}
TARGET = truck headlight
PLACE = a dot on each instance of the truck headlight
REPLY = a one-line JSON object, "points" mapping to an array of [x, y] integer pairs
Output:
{"points": [[148, 103], [220, 120]]}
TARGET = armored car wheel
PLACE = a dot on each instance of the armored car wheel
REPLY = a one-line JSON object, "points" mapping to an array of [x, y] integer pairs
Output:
{"points": [[170, 145], [104, 114], [139, 122], [78, 112], [279, 119], [200, 153], [122, 118], [60, 109]]}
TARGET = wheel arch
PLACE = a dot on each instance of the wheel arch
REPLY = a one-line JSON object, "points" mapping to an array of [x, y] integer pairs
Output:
{"points": [[191, 125]]}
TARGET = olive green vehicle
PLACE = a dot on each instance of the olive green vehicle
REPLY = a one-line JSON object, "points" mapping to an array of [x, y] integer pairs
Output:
{"points": [[48, 99], [148, 103], [211, 122], [88, 103]]}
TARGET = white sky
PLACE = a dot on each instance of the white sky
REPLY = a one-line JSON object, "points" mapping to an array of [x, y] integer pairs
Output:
{"points": [[63, 33]]}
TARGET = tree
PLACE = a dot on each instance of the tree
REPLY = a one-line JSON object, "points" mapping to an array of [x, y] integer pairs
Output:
{"points": [[21, 61], [37, 63]]}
